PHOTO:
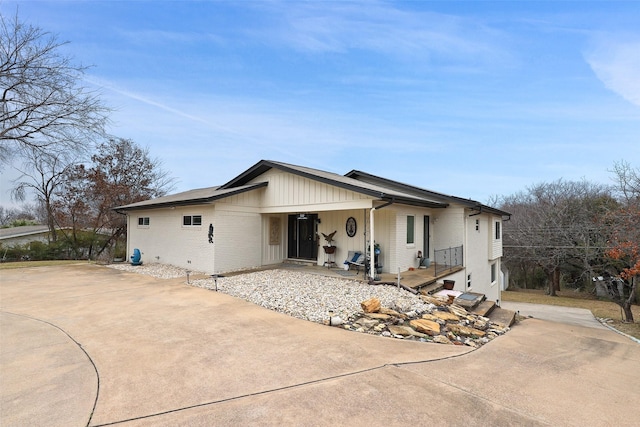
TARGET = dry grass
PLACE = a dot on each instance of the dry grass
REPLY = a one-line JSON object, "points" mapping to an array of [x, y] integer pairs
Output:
{"points": [[25, 264], [599, 308]]}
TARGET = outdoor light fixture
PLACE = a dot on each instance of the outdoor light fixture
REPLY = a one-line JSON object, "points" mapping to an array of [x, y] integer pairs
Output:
{"points": [[215, 280]]}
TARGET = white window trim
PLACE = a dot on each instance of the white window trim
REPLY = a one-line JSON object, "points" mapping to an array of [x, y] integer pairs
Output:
{"points": [[191, 225], [411, 244], [494, 271], [143, 225]]}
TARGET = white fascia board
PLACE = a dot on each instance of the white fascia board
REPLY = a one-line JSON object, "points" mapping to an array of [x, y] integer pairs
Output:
{"points": [[321, 207]]}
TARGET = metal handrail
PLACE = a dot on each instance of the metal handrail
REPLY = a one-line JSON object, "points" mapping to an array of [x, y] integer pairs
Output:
{"points": [[447, 259]]}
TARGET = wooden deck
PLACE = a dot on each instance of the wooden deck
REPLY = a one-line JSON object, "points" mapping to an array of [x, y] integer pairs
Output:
{"points": [[420, 278]]}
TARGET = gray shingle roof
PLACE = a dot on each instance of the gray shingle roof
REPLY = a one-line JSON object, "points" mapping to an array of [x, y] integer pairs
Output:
{"points": [[191, 197], [26, 230], [360, 182]]}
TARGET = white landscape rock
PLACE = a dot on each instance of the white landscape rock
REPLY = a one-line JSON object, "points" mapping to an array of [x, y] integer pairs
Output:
{"points": [[298, 294], [338, 301]]}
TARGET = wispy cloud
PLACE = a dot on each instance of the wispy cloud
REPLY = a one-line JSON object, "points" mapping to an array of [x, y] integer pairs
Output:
{"points": [[105, 84], [616, 62], [384, 28], [146, 37]]}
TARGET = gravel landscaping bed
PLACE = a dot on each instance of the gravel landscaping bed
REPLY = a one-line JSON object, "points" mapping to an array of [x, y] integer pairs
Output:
{"points": [[311, 296], [161, 271], [298, 294], [391, 311]]}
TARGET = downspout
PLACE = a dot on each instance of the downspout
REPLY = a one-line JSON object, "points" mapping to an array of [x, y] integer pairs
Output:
{"points": [[372, 254]]}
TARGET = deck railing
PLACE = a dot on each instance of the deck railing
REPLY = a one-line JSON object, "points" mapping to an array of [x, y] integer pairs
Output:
{"points": [[447, 259]]}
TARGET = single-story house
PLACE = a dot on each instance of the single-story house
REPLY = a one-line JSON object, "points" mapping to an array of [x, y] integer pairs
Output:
{"points": [[14, 236], [276, 212]]}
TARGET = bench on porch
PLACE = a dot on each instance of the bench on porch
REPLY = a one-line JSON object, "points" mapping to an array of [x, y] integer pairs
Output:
{"points": [[355, 259]]}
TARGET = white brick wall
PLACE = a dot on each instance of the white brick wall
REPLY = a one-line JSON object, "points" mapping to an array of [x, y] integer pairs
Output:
{"points": [[479, 256], [166, 240], [239, 239], [449, 227]]}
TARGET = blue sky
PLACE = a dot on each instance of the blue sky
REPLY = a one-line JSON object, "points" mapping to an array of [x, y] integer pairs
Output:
{"points": [[472, 99]]}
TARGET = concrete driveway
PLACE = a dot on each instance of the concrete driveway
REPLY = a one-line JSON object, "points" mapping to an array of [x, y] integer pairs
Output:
{"points": [[88, 345]]}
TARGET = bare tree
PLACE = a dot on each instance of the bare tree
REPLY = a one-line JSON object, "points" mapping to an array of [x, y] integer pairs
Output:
{"points": [[625, 239], [25, 213], [43, 102], [556, 227], [121, 173], [43, 173], [627, 182]]}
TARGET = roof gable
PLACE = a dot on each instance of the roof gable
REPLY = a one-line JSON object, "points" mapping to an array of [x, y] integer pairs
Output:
{"points": [[384, 193]]}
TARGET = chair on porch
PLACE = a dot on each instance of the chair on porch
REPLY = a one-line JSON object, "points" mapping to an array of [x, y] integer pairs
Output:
{"points": [[354, 259]]}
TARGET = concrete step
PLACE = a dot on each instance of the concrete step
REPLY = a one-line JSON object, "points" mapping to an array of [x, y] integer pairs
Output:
{"points": [[430, 288], [502, 316], [470, 300], [484, 308]]}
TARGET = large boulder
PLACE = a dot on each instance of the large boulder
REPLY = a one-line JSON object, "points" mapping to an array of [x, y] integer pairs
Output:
{"points": [[425, 326], [405, 331], [365, 322], [465, 331], [446, 316], [378, 316], [433, 300], [390, 312], [372, 305], [441, 339]]}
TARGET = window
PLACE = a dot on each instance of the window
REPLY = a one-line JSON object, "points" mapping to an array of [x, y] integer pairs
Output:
{"points": [[477, 225], [493, 273], [410, 229], [498, 233], [469, 280], [192, 220], [143, 220]]}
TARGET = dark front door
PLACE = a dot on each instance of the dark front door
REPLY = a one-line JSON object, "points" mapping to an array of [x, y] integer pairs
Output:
{"points": [[425, 237], [302, 236]]}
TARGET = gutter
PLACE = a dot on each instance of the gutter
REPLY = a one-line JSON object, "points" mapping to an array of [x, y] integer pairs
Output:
{"points": [[372, 264]]}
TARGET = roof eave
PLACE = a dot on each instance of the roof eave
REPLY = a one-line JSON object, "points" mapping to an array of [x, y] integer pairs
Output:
{"points": [[190, 202], [413, 202], [466, 202]]}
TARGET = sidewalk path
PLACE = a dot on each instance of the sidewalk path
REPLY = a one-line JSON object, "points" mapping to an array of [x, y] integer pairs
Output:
{"points": [[555, 313]]}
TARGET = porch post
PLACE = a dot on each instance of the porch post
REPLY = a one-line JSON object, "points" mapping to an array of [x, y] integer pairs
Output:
{"points": [[372, 264]]}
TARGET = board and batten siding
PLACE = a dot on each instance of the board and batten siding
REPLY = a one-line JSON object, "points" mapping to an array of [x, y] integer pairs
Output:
{"points": [[274, 253], [495, 245], [287, 192]]}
